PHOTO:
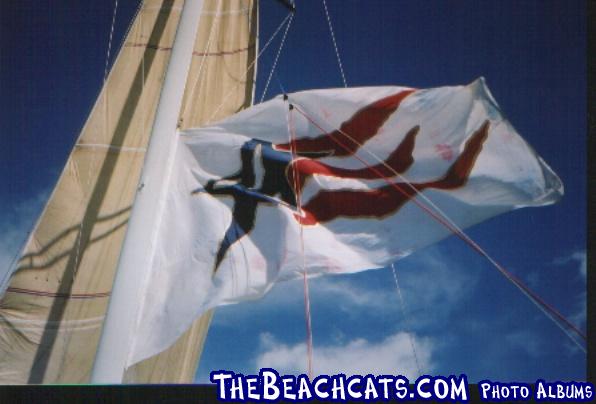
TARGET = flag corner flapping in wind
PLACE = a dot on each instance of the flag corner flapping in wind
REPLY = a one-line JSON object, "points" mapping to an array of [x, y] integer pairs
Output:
{"points": [[328, 184]]}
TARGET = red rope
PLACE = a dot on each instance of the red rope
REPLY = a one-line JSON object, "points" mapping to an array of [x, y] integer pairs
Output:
{"points": [[309, 344], [532, 295]]}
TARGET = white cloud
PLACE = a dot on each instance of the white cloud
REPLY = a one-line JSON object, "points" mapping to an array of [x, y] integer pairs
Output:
{"points": [[339, 289], [580, 258], [526, 339], [348, 294], [440, 282], [393, 355], [578, 316], [432, 285]]}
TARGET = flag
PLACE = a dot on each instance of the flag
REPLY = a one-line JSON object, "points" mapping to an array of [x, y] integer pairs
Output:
{"points": [[326, 181]]}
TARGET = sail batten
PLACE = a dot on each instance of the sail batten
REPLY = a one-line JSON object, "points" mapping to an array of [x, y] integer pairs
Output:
{"points": [[52, 311]]}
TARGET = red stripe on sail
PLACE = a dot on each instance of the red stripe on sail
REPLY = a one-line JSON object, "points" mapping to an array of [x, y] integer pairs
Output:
{"points": [[168, 48], [58, 295], [362, 126], [148, 46], [329, 205], [223, 53]]}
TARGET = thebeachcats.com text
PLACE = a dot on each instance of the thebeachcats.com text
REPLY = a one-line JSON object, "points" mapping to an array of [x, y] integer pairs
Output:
{"points": [[268, 385]]}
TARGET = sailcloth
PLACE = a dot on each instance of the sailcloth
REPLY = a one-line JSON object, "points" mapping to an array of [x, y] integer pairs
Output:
{"points": [[327, 181], [53, 310]]}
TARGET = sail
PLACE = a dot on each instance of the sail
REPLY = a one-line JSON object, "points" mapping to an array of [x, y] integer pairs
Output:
{"points": [[222, 73], [52, 312]]}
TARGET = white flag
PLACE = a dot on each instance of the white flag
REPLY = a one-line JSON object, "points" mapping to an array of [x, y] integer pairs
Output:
{"points": [[329, 186]]}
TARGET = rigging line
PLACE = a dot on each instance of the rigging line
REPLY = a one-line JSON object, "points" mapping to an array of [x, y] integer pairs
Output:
{"points": [[547, 309], [341, 68], [457, 230], [203, 59], [233, 88], [307, 314], [105, 74], [91, 167], [129, 27], [283, 40], [34, 226], [540, 303], [406, 319], [106, 122], [288, 4], [131, 23], [281, 87]]}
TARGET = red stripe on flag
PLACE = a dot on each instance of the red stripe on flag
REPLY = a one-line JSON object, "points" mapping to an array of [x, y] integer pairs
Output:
{"points": [[379, 202], [362, 126], [398, 162]]}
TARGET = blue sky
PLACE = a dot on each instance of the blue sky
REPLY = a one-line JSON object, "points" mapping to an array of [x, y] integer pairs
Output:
{"points": [[462, 315]]}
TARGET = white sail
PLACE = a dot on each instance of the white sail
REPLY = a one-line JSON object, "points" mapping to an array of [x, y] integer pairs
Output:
{"points": [[53, 310]]}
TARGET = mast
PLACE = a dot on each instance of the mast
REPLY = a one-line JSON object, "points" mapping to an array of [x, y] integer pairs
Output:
{"points": [[53, 310], [116, 339]]}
